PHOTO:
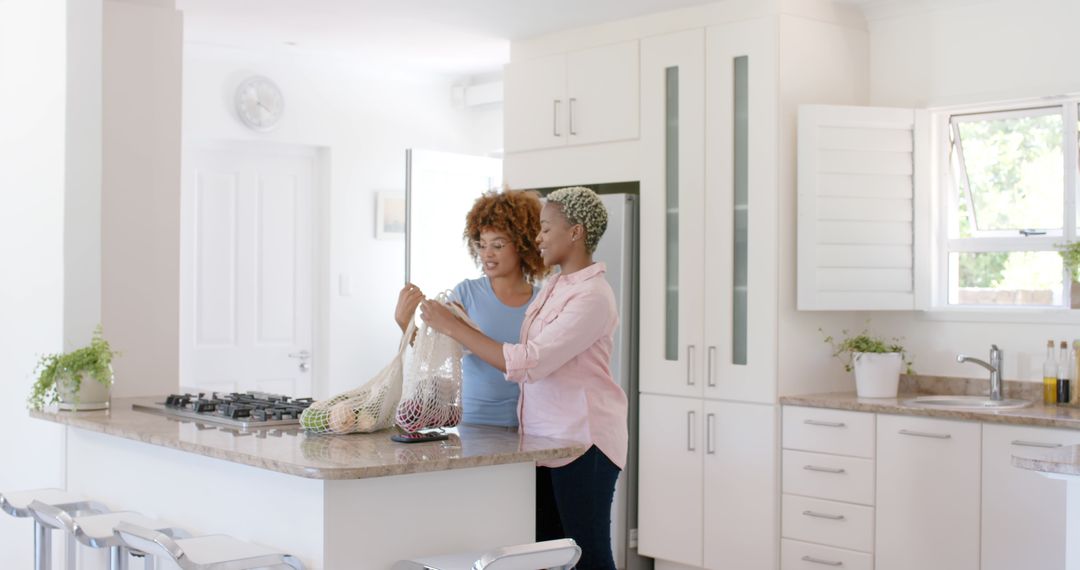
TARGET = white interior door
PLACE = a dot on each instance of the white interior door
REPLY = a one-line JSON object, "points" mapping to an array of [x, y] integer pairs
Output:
{"points": [[246, 269], [440, 191]]}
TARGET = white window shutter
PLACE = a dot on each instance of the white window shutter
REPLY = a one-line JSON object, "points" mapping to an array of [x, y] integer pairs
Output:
{"points": [[864, 208]]}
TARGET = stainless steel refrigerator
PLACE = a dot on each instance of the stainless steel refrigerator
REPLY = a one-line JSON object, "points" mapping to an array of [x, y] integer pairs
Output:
{"points": [[618, 249]]}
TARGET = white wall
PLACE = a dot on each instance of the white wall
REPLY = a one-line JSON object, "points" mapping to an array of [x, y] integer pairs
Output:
{"points": [[363, 118], [140, 198], [974, 52], [32, 56], [820, 62]]}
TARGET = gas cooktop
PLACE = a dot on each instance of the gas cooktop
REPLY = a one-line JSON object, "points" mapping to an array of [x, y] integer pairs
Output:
{"points": [[242, 410]]}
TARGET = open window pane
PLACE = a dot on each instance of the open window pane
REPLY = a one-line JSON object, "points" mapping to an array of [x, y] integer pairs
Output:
{"points": [[1005, 278], [1015, 171]]}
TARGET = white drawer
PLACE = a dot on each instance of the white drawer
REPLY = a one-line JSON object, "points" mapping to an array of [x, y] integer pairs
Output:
{"points": [[828, 522], [795, 555], [829, 431], [835, 477]]}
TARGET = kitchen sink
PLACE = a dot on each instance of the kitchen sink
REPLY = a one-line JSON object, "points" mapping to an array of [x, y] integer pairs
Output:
{"points": [[966, 403]]}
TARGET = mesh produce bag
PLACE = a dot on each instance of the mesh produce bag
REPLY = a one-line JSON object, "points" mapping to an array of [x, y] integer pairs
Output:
{"points": [[431, 394], [367, 408]]}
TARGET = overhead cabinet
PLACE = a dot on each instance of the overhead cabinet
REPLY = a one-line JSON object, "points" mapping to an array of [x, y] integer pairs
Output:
{"points": [[575, 98]]}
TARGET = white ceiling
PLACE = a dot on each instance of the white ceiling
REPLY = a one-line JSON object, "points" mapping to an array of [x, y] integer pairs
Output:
{"points": [[458, 37]]}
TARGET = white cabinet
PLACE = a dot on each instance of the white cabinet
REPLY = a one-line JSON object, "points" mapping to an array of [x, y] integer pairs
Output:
{"points": [[534, 94], [927, 494], [706, 483], [740, 486], [827, 514], [1023, 513], [672, 221], [580, 97], [670, 478], [709, 191]]}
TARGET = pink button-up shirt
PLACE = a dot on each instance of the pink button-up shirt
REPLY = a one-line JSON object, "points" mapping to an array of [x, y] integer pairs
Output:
{"points": [[563, 364]]}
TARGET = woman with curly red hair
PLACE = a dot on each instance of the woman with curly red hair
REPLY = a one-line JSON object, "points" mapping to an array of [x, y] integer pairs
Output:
{"points": [[499, 230]]}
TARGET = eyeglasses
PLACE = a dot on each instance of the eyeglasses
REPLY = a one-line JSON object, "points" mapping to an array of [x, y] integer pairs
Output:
{"points": [[496, 246]]}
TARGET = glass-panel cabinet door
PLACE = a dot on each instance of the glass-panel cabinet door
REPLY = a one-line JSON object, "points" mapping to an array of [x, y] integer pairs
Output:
{"points": [[741, 212], [672, 216]]}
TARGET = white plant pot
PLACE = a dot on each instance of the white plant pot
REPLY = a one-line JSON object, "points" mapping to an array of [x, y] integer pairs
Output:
{"points": [[877, 375], [92, 395]]}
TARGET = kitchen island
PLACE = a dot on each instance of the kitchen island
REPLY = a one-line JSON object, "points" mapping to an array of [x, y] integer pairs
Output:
{"points": [[336, 502]]}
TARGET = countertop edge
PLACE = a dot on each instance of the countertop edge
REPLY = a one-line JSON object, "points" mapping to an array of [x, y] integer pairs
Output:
{"points": [[847, 401], [326, 474]]}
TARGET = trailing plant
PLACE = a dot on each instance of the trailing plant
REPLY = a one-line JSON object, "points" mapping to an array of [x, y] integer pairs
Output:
{"points": [[92, 361], [848, 347], [1070, 256]]}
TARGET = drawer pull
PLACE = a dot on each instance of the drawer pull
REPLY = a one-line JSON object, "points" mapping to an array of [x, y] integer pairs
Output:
{"points": [[1023, 443], [813, 560], [818, 515], [824, 424], [925, 434], [837, 470]]}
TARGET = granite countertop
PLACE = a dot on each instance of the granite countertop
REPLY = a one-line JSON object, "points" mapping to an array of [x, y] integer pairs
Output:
{"points": [[1062, 461], [1037, 414], [292, 451]]}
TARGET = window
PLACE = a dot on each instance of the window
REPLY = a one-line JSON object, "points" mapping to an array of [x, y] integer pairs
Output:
{"points": [[1012, 202]]}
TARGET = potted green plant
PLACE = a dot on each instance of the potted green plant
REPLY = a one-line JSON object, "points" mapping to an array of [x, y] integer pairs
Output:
{"points": [[1070, 258], [876, 361], [61, 377]]}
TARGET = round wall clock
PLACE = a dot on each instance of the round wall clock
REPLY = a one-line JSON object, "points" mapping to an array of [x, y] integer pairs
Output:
{"points": [[259, 103]]}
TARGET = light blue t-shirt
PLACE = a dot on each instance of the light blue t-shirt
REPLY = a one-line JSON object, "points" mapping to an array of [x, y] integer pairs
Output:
{"points": [[487, 397]]}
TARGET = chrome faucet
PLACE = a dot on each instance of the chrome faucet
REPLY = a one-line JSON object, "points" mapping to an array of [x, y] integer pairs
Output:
{"points": [[994, 366]]}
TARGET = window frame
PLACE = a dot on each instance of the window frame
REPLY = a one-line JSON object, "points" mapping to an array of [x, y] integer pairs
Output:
{"points": [[949, 195]]}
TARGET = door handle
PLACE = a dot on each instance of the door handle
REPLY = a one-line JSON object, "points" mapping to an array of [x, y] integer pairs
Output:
{"points": [[690, 349], [836, 470], [818, 515], [710, 434], [572, 131], [303, 356], [821, 423], [690, 446], [813, 560], [709, 374], [1022, 443], [555, 118], [925, 434]]}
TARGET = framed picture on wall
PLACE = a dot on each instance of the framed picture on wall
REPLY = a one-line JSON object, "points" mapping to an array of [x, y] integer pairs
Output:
{"points": [[390, 215]]}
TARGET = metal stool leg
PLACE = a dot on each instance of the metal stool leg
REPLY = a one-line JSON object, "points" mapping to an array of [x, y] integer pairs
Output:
{"points": [[42, 547], [118, 558]]}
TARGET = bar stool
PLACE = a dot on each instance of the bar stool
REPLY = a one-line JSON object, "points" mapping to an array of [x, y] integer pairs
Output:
{"points": [[98, 531], [562, 554], [17, 505], [213, 552]]}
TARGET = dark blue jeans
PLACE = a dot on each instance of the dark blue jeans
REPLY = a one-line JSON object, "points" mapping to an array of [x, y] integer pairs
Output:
{"points": [[574, 501]]}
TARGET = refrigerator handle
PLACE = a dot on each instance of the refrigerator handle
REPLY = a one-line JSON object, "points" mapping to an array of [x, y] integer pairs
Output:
{"points": [[690, 445], [710, 434]]}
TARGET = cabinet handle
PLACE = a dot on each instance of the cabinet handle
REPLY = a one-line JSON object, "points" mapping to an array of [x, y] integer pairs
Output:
{"points": [[709, 370], [824, 424], [572, 131], [710, 435], [555, 118], [1023, 443], [813, 560], [690, 365], [690, 431], [837, 470], [818, 515], [925, 434]]}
